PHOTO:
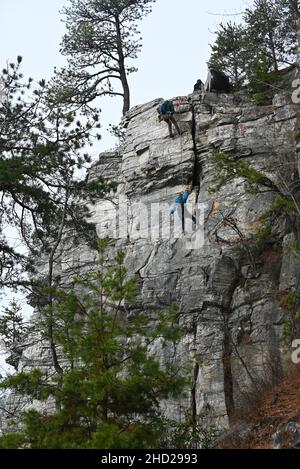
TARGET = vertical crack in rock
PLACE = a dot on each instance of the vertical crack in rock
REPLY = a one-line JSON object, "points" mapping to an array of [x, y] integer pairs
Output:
{"points": [[196, 369], [197, 172]]}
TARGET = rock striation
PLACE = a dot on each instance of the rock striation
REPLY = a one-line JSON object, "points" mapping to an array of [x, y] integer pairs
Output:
{"points": [[227, 293]]}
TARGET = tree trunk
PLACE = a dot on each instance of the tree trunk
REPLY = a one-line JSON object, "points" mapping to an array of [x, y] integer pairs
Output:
{"points": [[55, 360], [273, 52], [122, 70], [126, 98]]}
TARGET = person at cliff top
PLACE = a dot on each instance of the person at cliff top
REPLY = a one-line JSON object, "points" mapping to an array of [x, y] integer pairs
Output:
{"points": [[166, 112], [181, 199]]}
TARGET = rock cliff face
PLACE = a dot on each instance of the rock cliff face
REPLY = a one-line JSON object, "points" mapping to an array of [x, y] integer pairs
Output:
{"points": [[227, 294]]}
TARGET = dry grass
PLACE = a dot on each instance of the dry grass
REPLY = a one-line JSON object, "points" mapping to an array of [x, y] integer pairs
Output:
{"points": [[271, 413]]}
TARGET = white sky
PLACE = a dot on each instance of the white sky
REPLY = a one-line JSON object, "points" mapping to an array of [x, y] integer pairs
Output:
{"points": [[176, 38]]}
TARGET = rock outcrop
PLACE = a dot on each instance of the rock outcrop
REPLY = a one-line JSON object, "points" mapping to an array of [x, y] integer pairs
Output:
{"points": [[226, 291]]}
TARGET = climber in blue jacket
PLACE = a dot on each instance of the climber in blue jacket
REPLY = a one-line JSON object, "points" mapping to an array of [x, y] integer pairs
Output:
{"points": [[182, 198]]}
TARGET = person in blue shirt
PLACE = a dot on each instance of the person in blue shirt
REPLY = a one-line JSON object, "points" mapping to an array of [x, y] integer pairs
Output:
{"points": [[181, 199], [166, 112]]}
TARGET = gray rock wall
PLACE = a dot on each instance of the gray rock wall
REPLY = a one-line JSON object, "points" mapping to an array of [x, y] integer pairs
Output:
{"points": [[229, 313]]}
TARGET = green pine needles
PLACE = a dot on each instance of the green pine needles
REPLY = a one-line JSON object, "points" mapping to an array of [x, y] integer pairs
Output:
{"points": [[111, 383]]}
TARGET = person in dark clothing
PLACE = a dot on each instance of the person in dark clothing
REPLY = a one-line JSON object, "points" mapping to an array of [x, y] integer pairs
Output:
{"points": [[166, 112], [199, 86]]}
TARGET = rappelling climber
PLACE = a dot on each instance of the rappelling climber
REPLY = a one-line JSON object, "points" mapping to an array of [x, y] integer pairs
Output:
{"points": [[166, 112], [182, 198]]}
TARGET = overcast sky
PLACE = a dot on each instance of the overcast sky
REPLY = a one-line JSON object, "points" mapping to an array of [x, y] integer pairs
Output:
{"points": [[176, 38]]}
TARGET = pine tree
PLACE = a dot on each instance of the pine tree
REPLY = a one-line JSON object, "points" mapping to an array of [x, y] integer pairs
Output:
{"points": [[109, 393], [254, 51], [229, 52], [101, 40], [263, 20], [12, 330], [290, 13], [12, 326], [41, 148]]}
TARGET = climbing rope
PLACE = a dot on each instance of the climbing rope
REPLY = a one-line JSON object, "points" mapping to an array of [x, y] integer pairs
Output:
{"points": [[181, 101], [181, 158]]}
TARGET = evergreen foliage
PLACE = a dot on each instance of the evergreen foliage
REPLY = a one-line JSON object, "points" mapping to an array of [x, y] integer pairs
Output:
{"points": [[109, 392], [229, 52], [253, 52], [12, 326], [101, 43], [42, 151], [227, 168]]}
